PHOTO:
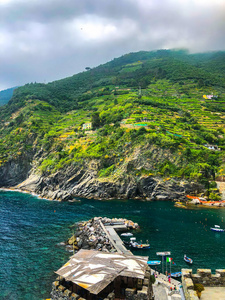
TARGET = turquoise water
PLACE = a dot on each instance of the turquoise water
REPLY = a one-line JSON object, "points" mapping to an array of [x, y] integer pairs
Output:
{"points": [[31, 229]]}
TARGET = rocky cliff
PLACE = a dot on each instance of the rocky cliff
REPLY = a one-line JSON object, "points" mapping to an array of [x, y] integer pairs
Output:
{"points": [[78, 181]]}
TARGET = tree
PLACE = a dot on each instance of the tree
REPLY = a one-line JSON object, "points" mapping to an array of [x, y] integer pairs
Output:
{"points": [[95, 119]]}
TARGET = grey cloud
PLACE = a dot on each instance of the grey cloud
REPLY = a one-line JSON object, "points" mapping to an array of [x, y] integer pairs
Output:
{"points": [[59, 38]]}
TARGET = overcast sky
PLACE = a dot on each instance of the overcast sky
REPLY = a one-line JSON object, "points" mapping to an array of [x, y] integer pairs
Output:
{"points": [[48, 40]]}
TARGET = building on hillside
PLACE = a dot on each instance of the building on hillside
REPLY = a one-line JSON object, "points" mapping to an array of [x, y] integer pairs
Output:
{"points": [[210, 97], [146, 119], [212, 147], [92, 274], [87, 126]]}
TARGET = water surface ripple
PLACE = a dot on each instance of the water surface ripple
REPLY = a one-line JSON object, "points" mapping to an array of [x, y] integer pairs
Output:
{"points": [[31, 229]]}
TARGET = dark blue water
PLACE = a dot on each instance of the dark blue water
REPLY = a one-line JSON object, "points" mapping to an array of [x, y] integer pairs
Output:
{"points": [[31, 228]]}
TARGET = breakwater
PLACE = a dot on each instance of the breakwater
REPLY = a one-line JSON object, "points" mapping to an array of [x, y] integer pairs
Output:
{"points": [[93, 234], [112, 272]]}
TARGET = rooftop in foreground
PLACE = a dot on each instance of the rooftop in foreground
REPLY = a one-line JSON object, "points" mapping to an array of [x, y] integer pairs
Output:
{"points": [[94, 270]]}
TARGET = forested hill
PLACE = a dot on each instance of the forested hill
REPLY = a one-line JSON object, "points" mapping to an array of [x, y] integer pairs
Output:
{"points": [[153, 116], [6, 95]]}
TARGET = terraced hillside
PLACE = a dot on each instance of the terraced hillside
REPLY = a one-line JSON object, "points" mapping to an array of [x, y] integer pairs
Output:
{"points": [[141, 116]]}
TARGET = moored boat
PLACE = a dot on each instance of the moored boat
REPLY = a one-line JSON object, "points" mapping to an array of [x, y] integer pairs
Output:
{"points": [[127, 234], [154, 262], [188, 259], [137, 245], [217, 228], [176, 274]]}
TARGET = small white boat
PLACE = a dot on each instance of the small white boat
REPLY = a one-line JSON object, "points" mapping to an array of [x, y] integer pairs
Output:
{"points": [[135, 245], [127, 234], [188, 259], [217, 228]]}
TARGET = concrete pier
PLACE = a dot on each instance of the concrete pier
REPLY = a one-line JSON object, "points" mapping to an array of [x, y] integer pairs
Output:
{"points": [[162, 289], [114, 238]]}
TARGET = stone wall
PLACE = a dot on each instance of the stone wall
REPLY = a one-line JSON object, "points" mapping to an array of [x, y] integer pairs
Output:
{"points": [[90, 234], [144, 291], [203, 276], [60, 292]]}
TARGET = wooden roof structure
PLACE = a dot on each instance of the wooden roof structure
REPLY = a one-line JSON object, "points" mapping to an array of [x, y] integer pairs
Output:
{"points": [[94, 270]]}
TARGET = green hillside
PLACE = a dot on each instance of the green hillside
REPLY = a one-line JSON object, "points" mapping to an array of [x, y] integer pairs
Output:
{"points": [[148, 105], [6, 95]]}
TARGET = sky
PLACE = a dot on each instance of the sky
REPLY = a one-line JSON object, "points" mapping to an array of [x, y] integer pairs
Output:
{"points": [[43, 41]]}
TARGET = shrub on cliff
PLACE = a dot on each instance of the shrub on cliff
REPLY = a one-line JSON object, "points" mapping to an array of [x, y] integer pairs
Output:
{"points": [[198, 287]]}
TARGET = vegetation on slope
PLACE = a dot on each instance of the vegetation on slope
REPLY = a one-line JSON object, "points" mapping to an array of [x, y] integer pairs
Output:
{"points": [[147, 102], [6, 95]]}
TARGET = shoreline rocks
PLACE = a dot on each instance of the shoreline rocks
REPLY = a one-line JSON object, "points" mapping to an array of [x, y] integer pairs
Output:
{"points": [[83, 181], [90, 235], [146, 188]]}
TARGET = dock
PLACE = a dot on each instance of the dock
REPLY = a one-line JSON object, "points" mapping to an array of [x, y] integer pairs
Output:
{"points": [[162, 289], [112, 272], [114, 238]]}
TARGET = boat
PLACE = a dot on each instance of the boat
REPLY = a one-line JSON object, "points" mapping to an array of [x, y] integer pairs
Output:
{"points": [[217, 228], [137, 245], [188, 259], [154, 262], [127, 234], [175, 274]]}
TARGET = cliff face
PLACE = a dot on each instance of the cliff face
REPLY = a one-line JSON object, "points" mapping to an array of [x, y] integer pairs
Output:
{"points": [[83, 181], [15, 171]]}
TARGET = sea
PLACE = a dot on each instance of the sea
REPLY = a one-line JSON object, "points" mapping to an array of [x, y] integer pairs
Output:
{"points": [[32, 230]]}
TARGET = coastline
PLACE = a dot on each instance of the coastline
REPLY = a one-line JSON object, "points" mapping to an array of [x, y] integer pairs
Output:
{"points": [[188, 205], [12, 189]]}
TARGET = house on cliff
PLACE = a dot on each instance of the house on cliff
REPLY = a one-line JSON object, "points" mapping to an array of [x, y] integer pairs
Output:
{"points": [[210, 97], [87, 126]]}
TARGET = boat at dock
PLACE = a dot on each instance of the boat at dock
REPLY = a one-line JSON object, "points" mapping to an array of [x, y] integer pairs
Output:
{"points": [[188, 259], [175, 274], [217, 228], [154, 262], [136, 245], [127, 234]]}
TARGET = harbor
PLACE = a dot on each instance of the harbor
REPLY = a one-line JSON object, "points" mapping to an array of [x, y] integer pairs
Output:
{"points": [[118, 274], [44, 225], [114, 273]]}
